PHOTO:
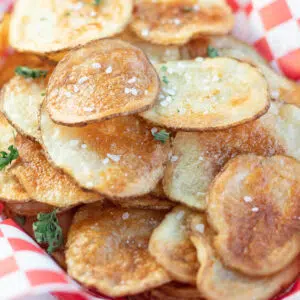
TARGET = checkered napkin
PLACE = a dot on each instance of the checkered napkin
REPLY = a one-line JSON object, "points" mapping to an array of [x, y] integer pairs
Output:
{"points": [[273, 27]]}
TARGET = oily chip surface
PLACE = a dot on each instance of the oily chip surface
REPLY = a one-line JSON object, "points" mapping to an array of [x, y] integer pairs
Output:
{"points": [[45, 183], [176, 22], [102, 80], [213, 94], [253, 205], [45, 26], [171, 246], [215, 281], [10, 188], [107, 249], [117, 157], [21, 100]]}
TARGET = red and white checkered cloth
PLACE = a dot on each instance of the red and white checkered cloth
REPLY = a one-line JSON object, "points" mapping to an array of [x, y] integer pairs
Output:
{"points": [[273, 27]]}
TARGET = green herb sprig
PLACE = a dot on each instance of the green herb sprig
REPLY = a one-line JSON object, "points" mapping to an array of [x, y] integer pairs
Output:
{"points": [[30, 73], [7, 158], [97, 2], [161, 136], [212, 52], [48, 231]]}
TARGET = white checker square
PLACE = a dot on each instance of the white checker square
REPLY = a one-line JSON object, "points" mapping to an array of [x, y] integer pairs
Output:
{"points": [[282, 43], [6, 250], [294, 6], [258, 4], [256, 27], [12, 232], [241, 28], [243, 3]]}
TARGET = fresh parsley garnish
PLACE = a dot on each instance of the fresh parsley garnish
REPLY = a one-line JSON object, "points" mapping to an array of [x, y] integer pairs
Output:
{"points": [[20, 220], [30, 73], [97, 2], [165, 79], [47, 231], [212, 52], [43, 94], [7, 158], [161, 136], [164, 68]]}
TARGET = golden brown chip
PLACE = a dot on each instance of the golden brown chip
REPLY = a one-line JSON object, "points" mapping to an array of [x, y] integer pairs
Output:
{"points": [[45, 26], [145, 202], [117, 157], [45, 183], [216, 282], [281, 87], [21, 100], [4, 29], [213, 94], [176, 22], [172, 248], [99, 81], [253, 205], [159, 191], [107, 249]]}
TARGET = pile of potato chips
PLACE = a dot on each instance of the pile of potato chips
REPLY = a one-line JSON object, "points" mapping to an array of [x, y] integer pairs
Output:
{"points": [[154, 154]]}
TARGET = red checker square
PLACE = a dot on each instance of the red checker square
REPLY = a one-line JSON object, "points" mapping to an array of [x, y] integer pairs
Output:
{"points": [[248, 9], [275, 14], [234, 5], [290, 64], [1, 234], [8, 265], [264, 49], [21, 245], [68, 296], [40, 277]]}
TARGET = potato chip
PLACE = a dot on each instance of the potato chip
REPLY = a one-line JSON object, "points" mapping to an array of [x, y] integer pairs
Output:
{"points": [[59, 25], [215, 281], [213, 94], [176, 22], [10, 188], [4, 29], [107, 249], [155, 53], [21, 100], [117, 157], [159, 191], [281, 87], [253, 206], [172, 248], [99, 81], [43, 182], [145, 202]]}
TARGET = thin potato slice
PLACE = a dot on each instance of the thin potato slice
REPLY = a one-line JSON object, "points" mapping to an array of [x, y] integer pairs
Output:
{"points": [[281, 87], [107, 249], [155, 53], [176, 22], [99, 81], [10, 188], [118, 157], [172, 248], [21, 100], [43, 182], [253, 205], [216, 282], [45, 26], [213, 94], [145, 202], [198, 157]]}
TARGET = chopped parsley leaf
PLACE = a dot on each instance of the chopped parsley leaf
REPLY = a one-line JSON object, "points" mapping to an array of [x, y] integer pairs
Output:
{"points": [[30, 73], [165, 80], [7, 158], [97, 2], [212, 52], [161, 136], [48, 231], [43, 94], [164, 68]]}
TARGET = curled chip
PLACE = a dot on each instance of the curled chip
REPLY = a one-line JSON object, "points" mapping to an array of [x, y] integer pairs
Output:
{"points": [[215, 281], [281, 87], [107, 249], [145, 202], [99, 81], [21, 100], [117, 157], [213, 94], [47, 26], [176, 22], [171, 246], [45, 183], [253, 205], [155, 53], [10, 188]]}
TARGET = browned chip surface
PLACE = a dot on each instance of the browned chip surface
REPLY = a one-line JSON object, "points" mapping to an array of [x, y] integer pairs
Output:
{"points": [[104, 79], [177, 21], [107, 249], [253, 205], [43, 182]]}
